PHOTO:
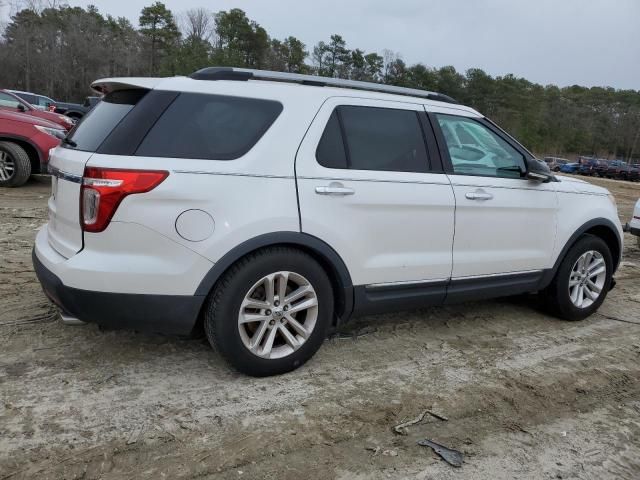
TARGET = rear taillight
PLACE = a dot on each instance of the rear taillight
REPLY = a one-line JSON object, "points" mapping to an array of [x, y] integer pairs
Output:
{"points": [[104, 188]]}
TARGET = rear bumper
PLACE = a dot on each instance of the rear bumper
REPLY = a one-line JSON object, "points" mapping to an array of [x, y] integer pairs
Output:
{"points": [[169, 314]]}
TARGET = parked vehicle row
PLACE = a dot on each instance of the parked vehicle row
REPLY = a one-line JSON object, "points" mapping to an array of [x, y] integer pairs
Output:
{"points": [[25, 142], [71, 110], [588, 166], [13, 103], [555, 163], [271, 207]]}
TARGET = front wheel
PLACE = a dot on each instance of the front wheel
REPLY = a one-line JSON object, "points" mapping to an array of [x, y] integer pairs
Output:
{"points": [[270, 312], [582, 281]]}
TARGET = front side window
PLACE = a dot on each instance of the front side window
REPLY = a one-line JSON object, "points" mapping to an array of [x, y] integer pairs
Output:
{"points": [[373, 138], [44, 102], [210, 127], [477, 150]]}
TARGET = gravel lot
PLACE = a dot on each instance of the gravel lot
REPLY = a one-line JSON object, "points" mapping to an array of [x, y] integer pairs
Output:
{"points": [[526, 396]]}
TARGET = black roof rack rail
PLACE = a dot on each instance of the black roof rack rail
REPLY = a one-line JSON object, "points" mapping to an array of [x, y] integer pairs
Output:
{"points": [[244, 74]]}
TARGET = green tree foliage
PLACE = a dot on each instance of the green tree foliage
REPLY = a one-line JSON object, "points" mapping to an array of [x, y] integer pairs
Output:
{"points": [[240, 42], [159, 28], [58, 51]]}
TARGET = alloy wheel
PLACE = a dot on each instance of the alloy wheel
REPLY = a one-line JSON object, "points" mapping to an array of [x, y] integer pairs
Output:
{"points": [[587, 279], [7, 166], [278, 314]]}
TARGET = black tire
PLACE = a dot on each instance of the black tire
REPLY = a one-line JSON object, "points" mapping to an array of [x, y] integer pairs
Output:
{"points": [[224, 302], [556, 295], [21, 164]]}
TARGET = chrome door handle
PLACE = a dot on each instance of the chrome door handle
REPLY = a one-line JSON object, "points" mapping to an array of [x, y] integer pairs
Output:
{"points": [[335, 189], [479, 196]]}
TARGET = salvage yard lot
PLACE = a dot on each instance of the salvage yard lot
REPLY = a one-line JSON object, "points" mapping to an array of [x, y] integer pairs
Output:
{"points": [[526, 395]]}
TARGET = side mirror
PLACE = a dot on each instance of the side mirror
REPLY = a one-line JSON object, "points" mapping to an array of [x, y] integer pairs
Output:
{"points": [[538, 171], [21, 108]]}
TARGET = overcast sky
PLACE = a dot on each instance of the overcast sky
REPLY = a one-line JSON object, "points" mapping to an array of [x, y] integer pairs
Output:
{"points": [[564, 42]]}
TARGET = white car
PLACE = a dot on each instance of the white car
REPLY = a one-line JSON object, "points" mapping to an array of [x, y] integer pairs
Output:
{"points": [[271, 207], [633, 226]]}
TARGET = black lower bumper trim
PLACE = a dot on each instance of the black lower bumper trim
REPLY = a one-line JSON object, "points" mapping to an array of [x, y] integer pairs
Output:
{"points": [[168, 314], [631, 230]]}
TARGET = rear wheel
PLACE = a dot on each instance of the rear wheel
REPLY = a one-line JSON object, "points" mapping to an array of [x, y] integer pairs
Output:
{"points": [[270, 312], [582, 281], [15, 166]]}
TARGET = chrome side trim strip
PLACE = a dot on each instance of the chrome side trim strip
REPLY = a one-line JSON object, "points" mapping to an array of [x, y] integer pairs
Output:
{"points": [[231, 174], [406, 283], [493, 275], [62, 175], [446, 280]]}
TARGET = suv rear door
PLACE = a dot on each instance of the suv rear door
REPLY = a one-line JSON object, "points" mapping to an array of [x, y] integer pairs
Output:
{"points": [[371, 187]]}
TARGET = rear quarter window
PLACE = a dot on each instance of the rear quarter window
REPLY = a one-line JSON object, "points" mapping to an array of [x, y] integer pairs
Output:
{"points": [[209, 127]]}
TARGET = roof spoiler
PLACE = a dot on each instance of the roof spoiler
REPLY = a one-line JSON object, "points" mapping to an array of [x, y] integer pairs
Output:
{"points": [[108, 85]]}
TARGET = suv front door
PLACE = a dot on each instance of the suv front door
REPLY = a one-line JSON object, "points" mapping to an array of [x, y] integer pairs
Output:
{"points": [[371, 186], [505, 225]]}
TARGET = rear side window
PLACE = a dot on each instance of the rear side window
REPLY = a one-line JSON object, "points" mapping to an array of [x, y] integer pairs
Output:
{"points": [[28, 98], [381, 139], [99, 122], [210, 127]]}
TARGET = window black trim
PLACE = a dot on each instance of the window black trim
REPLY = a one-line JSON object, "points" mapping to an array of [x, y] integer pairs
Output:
{"points": [[444, 151], [129, 133], [433, 152], [343, 134]]}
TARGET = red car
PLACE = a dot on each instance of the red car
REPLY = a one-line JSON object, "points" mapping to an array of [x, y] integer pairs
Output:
{"points": [[13, 103], [25, 141]]}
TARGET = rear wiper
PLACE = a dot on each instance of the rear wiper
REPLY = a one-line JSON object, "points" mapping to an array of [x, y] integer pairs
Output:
{"points": [[69, 142]]}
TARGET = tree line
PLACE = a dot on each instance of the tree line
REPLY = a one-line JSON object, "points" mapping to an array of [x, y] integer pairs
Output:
{"points": [[59, 50]]}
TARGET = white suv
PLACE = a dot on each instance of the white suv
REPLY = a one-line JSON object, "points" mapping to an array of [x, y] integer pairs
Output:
{"points": [[271, 207]]}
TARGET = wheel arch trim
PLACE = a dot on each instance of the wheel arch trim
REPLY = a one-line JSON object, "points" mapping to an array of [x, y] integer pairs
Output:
{"points": [[584, 228], [322, 251]]}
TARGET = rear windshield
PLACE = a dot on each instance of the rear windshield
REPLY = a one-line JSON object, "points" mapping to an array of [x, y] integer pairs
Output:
{"points": [[99, 122]]}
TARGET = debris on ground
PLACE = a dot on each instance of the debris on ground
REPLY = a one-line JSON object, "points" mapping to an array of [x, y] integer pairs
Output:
{"points": [[375, 450], [355, 334], [452, 457], [401, 429]]}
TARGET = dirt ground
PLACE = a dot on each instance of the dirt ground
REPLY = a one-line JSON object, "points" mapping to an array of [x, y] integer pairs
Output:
{"points": [[526, 396]]}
